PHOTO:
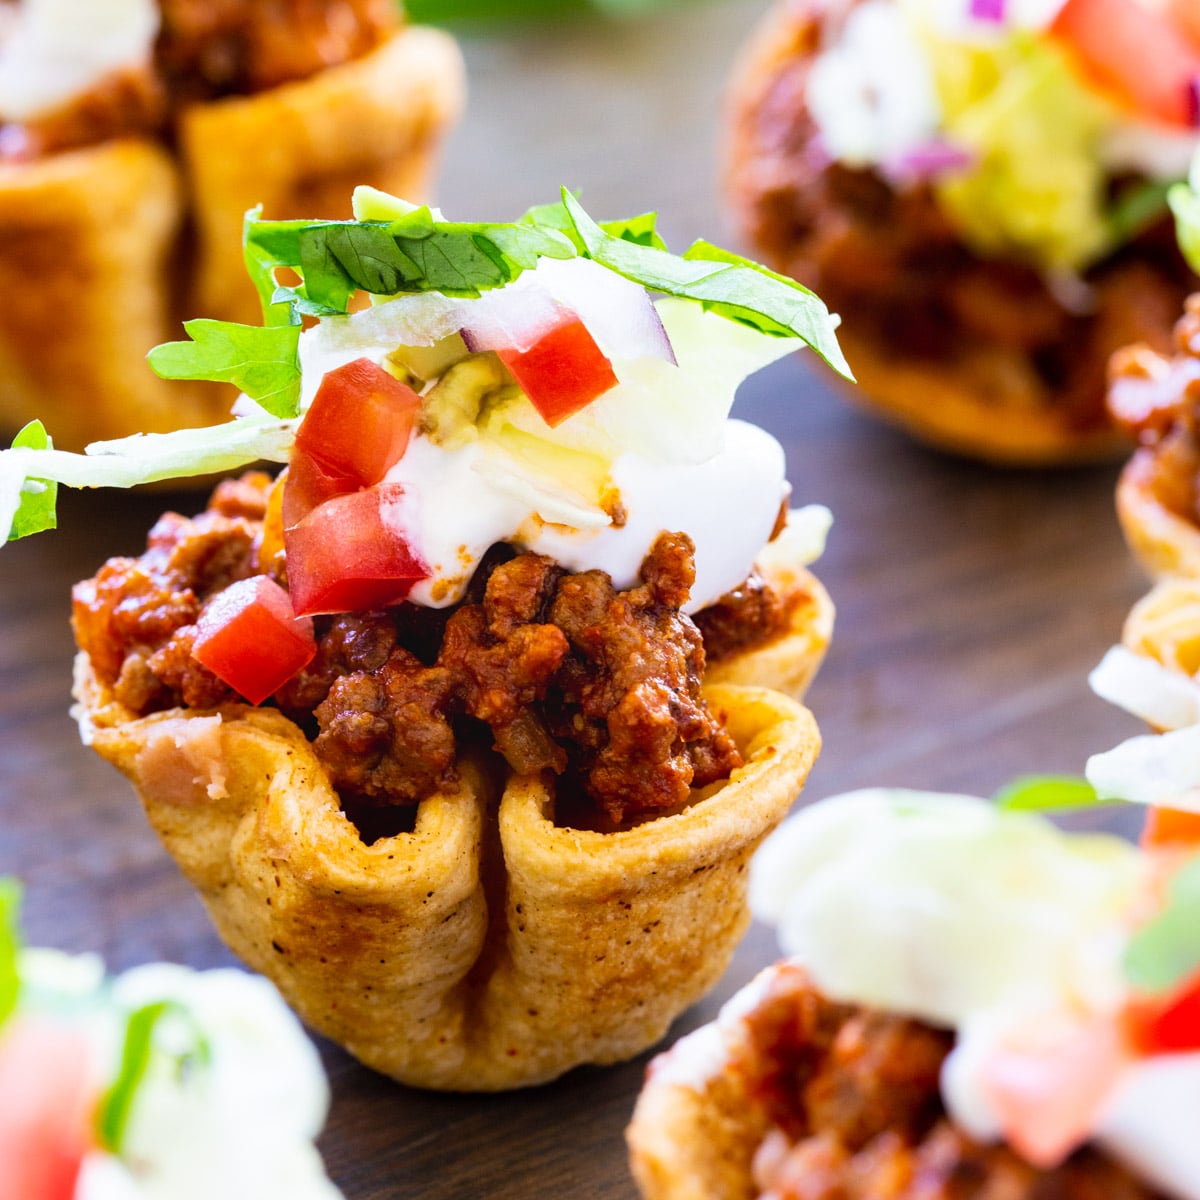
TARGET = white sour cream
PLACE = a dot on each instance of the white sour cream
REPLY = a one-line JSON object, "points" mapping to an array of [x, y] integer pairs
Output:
{"points": [[455, 508], [56, 50]]}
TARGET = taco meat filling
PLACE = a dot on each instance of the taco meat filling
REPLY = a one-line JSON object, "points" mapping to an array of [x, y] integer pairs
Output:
{"points": [[853, 1095], [890, 260], [1156, 400], [205, 50], [568, 674]]}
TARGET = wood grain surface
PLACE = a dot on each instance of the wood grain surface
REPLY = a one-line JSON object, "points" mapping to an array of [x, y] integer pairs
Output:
{"points": [[972, 603]]}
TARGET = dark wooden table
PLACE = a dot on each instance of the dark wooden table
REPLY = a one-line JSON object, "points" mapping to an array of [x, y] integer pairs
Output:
{"points": [[972, 603]]}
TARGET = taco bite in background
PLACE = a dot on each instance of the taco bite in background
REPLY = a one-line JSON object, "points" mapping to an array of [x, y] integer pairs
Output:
{"points": [[135, 134], [427, 719], [978, 190], [973, 999]]}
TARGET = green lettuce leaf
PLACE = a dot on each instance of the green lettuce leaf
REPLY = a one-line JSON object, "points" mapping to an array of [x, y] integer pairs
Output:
{"points": [[143, 458], [1185, 204], [261, 360], [723, 282], [1047, 793], [112, 1114], [1166, 950], [10, 945], [38, 497]]}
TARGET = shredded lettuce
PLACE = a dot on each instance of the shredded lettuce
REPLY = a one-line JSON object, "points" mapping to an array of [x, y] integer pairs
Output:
{"points": [[143, 458], [1046, 793], [1166, 950], [138, 1047], [36, 505], [1184, 199], [10, 946], [260, 360]]}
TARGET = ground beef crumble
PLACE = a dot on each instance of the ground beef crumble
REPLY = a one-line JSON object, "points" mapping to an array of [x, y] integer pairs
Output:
{"points": [[564, 671], [1155, 398], [853, 1094], [206, 50]]}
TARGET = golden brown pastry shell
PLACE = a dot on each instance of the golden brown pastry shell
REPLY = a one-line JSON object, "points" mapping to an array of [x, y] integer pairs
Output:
{"points": [[1162, 541], [109, 248], [696, 1126], [487, 949], [1165, 625]]}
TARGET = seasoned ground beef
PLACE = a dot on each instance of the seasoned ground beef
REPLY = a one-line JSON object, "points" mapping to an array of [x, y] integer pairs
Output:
{"points": [[1156, 400], [207, 49], [567, 673], [890, 261], [753, 613], [854, 1096]]}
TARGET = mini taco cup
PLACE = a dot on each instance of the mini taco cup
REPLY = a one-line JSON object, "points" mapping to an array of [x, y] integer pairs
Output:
{"points": [[1164, 542], [488, 948], [87, 239], [974, 355], [113, 245], [1165, 625]]}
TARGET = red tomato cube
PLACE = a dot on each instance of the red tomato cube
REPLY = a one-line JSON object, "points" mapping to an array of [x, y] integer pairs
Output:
{"points": [[1170, 827], [46, 1071], [1135, 52], [347, 556], [1170, 1026], [562, 372], [307, 484], [250, 637], [359, 422]]}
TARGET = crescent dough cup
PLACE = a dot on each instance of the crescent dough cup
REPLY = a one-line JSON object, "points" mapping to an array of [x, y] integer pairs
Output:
{"points": [[991, 410], [488, 948], [1162, 541], [94, 241], [1165, 625], [787, 663], [984, 403], [698, 1120]]}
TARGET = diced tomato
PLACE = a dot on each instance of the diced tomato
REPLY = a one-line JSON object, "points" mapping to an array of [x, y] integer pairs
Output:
{"points": [[46, 1116], [349, 554], [308, 484], [1166, 1026], [250, 637], [1135, 52], [359, 422], [1185, 15], [1170, 827], [1046, 1095], [562, 372]]}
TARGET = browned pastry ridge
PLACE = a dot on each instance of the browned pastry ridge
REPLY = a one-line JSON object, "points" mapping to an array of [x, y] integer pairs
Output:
{"points": [[791, 1096], [110, 245], [485, 937], [1155, 398], [974, 356]]}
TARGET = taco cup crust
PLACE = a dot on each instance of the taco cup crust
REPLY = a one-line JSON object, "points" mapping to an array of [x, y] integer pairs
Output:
{"points": [[487, 949]]}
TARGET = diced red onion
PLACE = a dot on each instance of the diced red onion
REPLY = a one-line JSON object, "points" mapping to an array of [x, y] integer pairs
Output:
{"points": [[618, 313], [992, 11], [1193, 101], [511, 318], [928, 161]]}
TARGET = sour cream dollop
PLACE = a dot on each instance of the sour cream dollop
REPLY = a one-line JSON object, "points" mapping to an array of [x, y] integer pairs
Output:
{"points": [[55, 50]]}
